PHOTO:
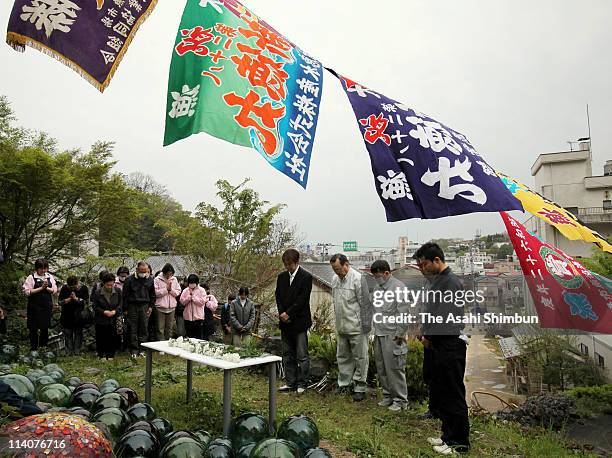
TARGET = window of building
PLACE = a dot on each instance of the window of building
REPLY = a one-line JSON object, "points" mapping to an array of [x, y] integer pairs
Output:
{"points": [[599, 360], [607, 204], [573, 210], [584, 349]]}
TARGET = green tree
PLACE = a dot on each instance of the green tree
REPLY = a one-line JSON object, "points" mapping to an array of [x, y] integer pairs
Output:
{"points": [[51, 200], [504, 251], [140, 204], [600, 262], [237, 243]]}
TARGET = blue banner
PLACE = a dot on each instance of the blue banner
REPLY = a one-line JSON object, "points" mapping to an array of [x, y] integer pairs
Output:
{"points": [[422, 168]]}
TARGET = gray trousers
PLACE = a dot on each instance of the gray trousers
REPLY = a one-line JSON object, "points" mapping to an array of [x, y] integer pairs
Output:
{"points": [[391, 368], [165, 322], [352, 356]]}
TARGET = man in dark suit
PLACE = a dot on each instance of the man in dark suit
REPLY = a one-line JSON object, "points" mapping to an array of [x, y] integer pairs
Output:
{"points": [[293, 301]]}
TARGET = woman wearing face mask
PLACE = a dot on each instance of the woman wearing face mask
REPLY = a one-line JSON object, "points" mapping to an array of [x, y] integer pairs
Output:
{"points": [[167, 288], [194, 299], [105, 305], [138, 299], [242, 317], [122, 274], [39, 288]]}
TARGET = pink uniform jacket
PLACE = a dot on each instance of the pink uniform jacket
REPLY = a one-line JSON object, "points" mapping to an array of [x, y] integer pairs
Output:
{"points": [[194, 305], [211, 303], [166, 300]]}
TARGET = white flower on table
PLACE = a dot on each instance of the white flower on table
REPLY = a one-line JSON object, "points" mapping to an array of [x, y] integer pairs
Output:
{"points": [[231, 357]]}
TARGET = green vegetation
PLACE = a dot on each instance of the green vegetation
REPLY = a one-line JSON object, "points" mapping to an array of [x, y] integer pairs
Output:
{"points": [[593, 400], [556, 358], [363, 429], [238, 243], [57, 204], [600, 262]]}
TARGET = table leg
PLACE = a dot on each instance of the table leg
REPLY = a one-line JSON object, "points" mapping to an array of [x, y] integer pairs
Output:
{"points": [[148, 375], [227, 401], [189, 379], [272, 397]]}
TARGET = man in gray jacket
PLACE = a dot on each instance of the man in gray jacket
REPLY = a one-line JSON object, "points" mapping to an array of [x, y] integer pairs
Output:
{"points": [[353, 323], [390, 347]]}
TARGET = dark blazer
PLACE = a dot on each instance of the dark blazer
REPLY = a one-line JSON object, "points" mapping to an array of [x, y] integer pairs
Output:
{"points": [[294, 300], [101, 304]]}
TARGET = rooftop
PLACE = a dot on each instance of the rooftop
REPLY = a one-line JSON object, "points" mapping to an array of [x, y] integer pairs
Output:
{"points": [[555, 158], [321, 271]]}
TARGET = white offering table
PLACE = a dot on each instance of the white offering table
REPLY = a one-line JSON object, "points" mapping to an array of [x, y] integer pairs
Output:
{"points": [[226, 366]]}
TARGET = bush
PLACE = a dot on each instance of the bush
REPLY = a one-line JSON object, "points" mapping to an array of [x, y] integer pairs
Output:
{"points": [[592, 400], [324, 347], [545, 410], [11, 297], [417, 389]]}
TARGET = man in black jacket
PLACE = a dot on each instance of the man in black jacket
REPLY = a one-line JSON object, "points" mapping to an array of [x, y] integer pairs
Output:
{"points": [[139, 299], [448, 350], [293, 289]]}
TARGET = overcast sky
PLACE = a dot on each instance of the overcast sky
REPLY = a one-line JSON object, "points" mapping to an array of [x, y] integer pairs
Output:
{"points": [[514, 76]]}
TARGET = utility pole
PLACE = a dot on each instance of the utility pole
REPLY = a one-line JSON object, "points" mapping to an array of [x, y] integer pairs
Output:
{"points": [[324, 250], [589, 126]]}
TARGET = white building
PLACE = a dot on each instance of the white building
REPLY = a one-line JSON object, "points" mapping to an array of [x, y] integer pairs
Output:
{"points": [[405, 251], [364, 260], [599, 348], [472, 262], [567, 179]]}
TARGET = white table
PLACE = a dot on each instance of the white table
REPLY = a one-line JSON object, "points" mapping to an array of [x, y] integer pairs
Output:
{"points": [[226, 366]]}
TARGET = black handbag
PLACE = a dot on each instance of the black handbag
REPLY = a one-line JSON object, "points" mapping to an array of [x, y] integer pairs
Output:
{"points": [[86, 316]]}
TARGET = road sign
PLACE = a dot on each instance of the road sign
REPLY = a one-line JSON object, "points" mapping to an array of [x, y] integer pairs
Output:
{"points": [[349, 246]]}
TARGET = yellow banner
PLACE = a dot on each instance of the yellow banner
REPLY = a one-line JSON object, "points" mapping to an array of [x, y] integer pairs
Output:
{"points": [[566, 222]]}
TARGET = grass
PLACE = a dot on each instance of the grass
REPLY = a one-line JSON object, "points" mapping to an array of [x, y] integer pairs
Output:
{"points": [[364, 429]]}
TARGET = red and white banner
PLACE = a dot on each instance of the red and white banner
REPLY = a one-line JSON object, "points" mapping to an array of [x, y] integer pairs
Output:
{"points": [[565, 293]]}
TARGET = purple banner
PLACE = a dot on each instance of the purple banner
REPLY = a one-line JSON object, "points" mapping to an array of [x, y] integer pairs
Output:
{"points": [[423, 169], [89, 36]]}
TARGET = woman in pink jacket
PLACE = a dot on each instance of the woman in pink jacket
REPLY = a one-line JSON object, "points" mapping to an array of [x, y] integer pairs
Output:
{"points": [[167, 288], [194, 299]]}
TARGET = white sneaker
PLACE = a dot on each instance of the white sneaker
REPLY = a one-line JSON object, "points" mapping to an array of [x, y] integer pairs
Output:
{"points": [[396, 407], [435, 441], [386, 402], [142, 354], [161, 353], [301, 390], [286, 389], [444, 450]]}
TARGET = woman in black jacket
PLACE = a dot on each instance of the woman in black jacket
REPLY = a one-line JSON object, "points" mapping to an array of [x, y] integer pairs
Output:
{"points": [[73, 298], [106, 304]]}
